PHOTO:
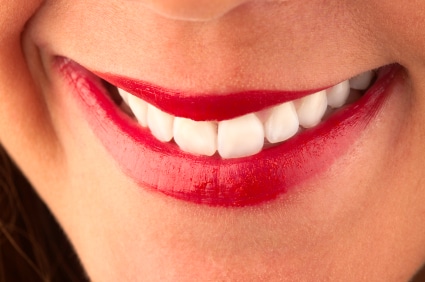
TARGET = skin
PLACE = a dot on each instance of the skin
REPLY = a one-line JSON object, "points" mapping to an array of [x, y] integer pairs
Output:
{"points": [[360, 220]]}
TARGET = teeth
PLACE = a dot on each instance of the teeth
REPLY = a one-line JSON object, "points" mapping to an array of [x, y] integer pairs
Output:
{"points": [[124, 95], [282, 123], [240, 137], [196, 137], [311, 109], [337, 95], [139, 109], [362, 81], [160, 124]]}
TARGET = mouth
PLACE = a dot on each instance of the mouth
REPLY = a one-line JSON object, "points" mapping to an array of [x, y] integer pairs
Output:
{"points": [[233, 149], [235, 125]]}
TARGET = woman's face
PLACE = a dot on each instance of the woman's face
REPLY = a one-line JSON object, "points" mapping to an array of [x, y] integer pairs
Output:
{"points": [[341, 200]]}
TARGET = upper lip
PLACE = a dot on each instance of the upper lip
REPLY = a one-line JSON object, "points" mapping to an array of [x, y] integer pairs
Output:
{"points": [[199, 106]]}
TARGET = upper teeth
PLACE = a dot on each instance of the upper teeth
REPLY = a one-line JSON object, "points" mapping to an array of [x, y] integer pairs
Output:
{"points": [[245, 135]]}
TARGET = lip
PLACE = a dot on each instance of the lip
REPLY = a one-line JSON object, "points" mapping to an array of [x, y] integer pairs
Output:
{"points": [[198, 106], [252, 180]]}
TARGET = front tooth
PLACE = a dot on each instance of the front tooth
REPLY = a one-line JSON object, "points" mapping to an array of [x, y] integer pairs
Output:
{"points": [[337, 95], [196, 137], [160, 124], [240, 137], [139, 109], [282, 123], [124, 95], [311, 109], [362, 81]]}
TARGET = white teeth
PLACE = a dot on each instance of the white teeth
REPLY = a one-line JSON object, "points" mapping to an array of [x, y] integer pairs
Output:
{"points": [[362, 81], [282, 124], [196, 137], [124, 95], [240, 137], [311, 109], [139, 109], [160, 124], [337, 95]]}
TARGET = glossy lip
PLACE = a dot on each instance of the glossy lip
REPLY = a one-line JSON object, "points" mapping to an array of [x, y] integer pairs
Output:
{"points": [[163, 167], [200, 107]]}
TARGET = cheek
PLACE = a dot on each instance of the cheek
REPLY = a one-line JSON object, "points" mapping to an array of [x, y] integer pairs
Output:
{"points": [[25, 126], [397, 25], [13, 16]]}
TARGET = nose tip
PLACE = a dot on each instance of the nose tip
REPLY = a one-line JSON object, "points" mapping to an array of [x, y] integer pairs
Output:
{"points": [[194, 10]]}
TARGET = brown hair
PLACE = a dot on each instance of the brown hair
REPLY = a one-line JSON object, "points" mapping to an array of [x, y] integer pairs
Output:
{"points": [[32, 245]]}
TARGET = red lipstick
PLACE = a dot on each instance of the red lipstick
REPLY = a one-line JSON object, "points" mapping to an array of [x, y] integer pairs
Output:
{"points": [[163, 167], [198, 106]]}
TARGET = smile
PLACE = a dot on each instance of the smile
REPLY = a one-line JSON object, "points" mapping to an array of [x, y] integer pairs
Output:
{"points": [[244, 135], [227, 150]]}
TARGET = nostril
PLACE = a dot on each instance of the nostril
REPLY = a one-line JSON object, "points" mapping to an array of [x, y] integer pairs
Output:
{"points": [[192, 10]]}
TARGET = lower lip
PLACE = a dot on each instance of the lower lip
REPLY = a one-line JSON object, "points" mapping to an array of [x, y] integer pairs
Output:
{"points": [[253, 180]]}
